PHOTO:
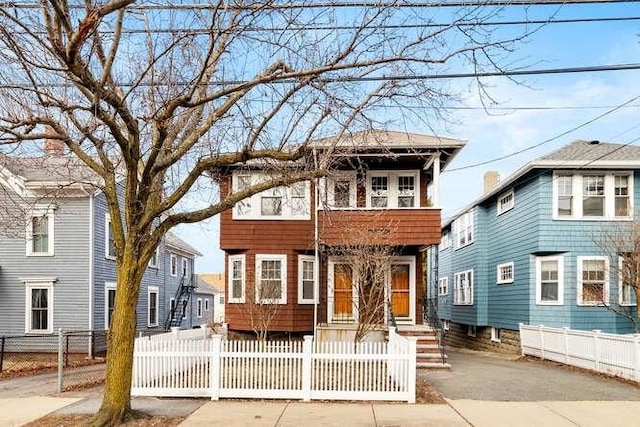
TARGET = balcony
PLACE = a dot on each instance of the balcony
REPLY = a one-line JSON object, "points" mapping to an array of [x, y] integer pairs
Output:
{"points": [[404, 227]]}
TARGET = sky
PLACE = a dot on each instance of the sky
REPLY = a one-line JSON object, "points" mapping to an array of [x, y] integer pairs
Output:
{"points": [[535, 115]]}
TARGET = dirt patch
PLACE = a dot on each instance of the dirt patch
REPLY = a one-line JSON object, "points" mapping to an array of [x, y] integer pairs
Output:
{"points": [[76, 420], [426, 393]]}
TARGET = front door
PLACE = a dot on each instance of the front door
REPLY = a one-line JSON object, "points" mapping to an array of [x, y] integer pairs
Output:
{"points": [[343, 292], [400, 290]]}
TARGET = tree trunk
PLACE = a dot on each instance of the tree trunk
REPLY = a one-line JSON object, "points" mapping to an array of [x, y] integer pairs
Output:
{"points": [[116, 402]]}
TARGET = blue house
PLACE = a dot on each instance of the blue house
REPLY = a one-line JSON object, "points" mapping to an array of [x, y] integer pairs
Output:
{"points": [[57, 259], [534, 250]]}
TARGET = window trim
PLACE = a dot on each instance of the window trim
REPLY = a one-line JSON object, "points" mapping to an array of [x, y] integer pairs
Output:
{"points": [[30, 285], [470, 274], [173, 272], [107, 287], [207, 304], [579, 283], [443, 283], [172, 305], [465, 223], [621, 287], [577, 195], [538, 266], [499, 279], [301, 260], [445, 240], [50, 215], [496, 334], [184, 267], [500, 209], [328, 190], [153, 290], [392, 187], [156, 257], [107, 227], [199, 308], [243, 260], [283, 278]]}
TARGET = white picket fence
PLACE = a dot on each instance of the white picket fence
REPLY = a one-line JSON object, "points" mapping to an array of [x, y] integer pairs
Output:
{"points": [[277, 370], [177, 334], [608, 353]]}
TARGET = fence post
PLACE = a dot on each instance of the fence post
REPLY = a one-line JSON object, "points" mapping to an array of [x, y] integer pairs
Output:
{"points": [[60, 358], [411, 372], [566, 345], [214, 366], [541, 341], [1, 351], [176, 332], [596, 349], [307, 364], [636, 359]]}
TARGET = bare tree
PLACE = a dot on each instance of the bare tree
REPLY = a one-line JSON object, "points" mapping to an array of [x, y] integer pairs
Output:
{"points": [[263, 304], [157, 99], [621, 243]]}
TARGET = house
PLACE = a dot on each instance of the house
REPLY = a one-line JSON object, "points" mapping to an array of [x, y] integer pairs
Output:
{"points": [[530, 249], [211, 285], [59, 271], [290, 255]]}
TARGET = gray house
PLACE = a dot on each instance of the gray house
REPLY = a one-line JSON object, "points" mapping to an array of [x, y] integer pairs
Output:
{"points": [[57, 261]]}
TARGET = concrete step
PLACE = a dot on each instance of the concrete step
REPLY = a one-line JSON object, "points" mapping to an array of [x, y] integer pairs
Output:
{"points": [[428, 349]]}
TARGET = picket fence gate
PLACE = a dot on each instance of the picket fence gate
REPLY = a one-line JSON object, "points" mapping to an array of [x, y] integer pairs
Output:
{"points": [[276, 370]]}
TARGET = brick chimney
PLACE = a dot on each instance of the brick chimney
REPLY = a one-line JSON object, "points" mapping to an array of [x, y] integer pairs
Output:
{"points": [[491, 180], [52, 147]]}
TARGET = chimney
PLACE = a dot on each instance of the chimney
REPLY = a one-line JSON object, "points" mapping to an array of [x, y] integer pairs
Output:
{"points": [[491, 180], [52, 147]]}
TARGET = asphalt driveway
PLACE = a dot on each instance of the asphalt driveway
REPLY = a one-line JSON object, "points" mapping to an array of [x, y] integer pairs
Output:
{"points": [[482, 376]]}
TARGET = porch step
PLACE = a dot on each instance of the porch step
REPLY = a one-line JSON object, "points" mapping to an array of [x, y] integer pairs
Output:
{"points": [[428, 351], [432, 365]]}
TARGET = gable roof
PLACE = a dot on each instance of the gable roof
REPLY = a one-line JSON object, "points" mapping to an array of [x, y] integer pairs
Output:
{"points": [[176, 242], [579, 154], [212, 282]]}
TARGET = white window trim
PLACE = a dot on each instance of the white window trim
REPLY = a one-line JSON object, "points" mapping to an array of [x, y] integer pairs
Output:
{"points": [[560, 260], [157, 259], [579, 289], [577, 195], [392, 191], [184, 267], [199, 308], [464, 223], [499, 279], [255, 213], [283, 278], [301, 260], [49, 213], [206, 304], [172, 304], [620, 288], [496, 334], [107, 286], [107, 227], [471, 331], [242, 259], [500, 209], [468, 273], [173, 257], [38, 283], [327, 189], [445, 241], [153, 290], [443, 283]]}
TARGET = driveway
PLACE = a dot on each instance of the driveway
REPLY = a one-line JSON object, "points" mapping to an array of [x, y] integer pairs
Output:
{"points": [[482, 376]]}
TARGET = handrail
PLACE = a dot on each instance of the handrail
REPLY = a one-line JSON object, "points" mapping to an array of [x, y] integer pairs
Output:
{"points": [[430, 314]]}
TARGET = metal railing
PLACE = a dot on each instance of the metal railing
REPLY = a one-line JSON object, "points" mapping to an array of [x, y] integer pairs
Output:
{"points": [[430, 313]]}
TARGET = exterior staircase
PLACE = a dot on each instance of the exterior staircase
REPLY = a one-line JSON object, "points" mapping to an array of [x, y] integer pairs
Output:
{"points": [[429, 354]]}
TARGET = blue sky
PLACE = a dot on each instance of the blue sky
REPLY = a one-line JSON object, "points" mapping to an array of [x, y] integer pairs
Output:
{"points": [[501, 132]]}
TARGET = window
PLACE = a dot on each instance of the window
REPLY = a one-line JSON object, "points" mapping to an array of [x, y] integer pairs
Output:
{"points": [[339, 191], [445, 324], [290, 202], [174, 265], [236, 279], [184, 309], [306, 279], [109, 303], [471, 331], [221, 300], [505, 202], [495, 334], [40, 233], [463, 288], [109, 244], [392, 189], [549, 280], [153, 262], [505, 273], [206, 304], [593, 280], [39, 306], [271, 279], [199, 308], [626, 277], [443, 286], [445, 241], [185, 267], [153, 306], [172, 308], [463, 227], [593, 196]]}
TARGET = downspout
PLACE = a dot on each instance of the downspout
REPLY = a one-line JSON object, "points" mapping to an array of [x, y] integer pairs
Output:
{"points": [[91, 274], [316, 260]]}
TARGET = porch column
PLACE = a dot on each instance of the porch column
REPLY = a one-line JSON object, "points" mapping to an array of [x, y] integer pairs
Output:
{"points": [[435, 202]]}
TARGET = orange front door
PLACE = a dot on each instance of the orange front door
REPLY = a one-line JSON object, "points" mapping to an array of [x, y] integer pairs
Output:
{"points": [[342, 291], [400, 290]]}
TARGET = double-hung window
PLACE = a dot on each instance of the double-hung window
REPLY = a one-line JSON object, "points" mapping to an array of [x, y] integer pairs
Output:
{"points": [[109, 303], [271, 279], [153, 306], [306, 279], [199, 308], [339, 191], [379, 191], [406, 191], [236, 274], [593, 280], [110, 244], [153, 262], [505, 273], [185, 267], [463, 288], [550, 280], [506, 202], [281, 202], [40, 233], [173, 267], [392, 189], [621, 192], [593, 195], [463, 226], [565, 195], [39, 306], [627, 276], [443, 286]]}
